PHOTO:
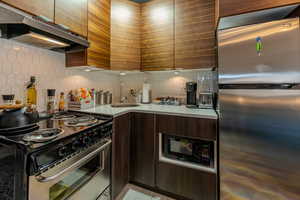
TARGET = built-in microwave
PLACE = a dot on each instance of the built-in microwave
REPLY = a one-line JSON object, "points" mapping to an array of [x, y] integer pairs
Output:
{"points": [[190, 152]]}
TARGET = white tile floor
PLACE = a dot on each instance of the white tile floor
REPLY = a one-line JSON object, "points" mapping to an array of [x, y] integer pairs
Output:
{"points": [[135, 195], [133, 192]]}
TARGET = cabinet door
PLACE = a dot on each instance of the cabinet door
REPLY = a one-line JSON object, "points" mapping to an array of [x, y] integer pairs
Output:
{"points": [[72, 14], [200, 128], [234, 7], [157, 35], [125, 35], [194, 34], [120, 154], [142, 149], [99, 33], [188, 183], [43, 8]]}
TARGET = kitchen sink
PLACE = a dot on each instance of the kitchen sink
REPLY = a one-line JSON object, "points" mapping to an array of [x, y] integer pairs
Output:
{"points": [[120, 105]]}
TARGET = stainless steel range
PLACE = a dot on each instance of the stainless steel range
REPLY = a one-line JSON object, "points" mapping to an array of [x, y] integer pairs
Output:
{"points": [[68, 157]]}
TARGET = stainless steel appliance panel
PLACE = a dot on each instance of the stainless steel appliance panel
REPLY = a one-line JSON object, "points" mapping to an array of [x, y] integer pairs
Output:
{"points": [[260, 144], [261, 53], [84, 176], [98, 183]]}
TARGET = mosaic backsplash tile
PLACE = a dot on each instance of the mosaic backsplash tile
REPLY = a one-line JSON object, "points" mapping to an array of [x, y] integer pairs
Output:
{"points": [[18, 62]]}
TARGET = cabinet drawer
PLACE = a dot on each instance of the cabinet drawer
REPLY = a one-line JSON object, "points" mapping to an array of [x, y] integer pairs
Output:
{"points": [[187, 126], [185, 182]]}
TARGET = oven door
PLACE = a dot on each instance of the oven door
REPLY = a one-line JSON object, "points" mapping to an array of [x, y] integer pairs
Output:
{"points": [[84, 176]]}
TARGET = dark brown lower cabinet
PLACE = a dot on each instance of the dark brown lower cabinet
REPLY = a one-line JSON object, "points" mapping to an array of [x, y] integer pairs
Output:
{"points": [[120, 153], [142, 149], [187, 126], [185, 182], [135, 156]]}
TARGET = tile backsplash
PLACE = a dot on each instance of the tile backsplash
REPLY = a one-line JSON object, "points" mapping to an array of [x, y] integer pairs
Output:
{"points": [[163, 83], [18, 62]]}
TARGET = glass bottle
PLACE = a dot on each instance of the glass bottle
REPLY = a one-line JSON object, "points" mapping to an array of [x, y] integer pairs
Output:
{"points": [[31, 92], [61, 104]]}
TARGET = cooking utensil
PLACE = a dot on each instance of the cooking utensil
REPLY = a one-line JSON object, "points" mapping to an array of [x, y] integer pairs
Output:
{"points": [[12, 119], [11, 106], [43, 135]]}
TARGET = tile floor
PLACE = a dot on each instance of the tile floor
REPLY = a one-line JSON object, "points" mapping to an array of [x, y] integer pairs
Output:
{"points": [[133, 192]]}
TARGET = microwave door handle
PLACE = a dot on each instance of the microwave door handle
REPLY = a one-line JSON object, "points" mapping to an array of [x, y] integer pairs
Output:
{"points": [[74, 166]]}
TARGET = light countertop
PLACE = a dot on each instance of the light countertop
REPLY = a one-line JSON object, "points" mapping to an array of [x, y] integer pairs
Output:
{"points": [[153, 108]]}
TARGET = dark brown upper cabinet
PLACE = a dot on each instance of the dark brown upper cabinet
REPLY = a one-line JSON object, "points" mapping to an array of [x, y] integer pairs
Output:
{"points": [[157, 30], [72, 14], [98, 54], [234, 7], [125, 35], [44, 8], [194, 34]]}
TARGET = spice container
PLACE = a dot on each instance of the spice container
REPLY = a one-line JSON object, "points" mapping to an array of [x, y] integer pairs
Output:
{"points": [[50, 101], [61, 104]]}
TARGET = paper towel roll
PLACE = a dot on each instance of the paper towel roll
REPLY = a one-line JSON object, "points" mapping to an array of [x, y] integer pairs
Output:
{"points": [[146, 93]]}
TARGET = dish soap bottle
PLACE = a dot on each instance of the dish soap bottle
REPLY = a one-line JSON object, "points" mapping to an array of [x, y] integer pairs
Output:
{"points": [[61, 104], [31, 92]]}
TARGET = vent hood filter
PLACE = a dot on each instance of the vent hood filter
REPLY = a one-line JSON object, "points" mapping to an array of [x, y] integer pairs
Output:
{"points": [[40, 41]]}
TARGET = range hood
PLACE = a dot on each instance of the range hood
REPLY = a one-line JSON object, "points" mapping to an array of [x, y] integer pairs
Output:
{"points": [[25, 28]]}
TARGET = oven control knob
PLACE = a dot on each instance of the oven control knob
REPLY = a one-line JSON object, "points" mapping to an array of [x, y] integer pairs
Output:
{"points": [[62, 151], [87, 140], [76, 145]]}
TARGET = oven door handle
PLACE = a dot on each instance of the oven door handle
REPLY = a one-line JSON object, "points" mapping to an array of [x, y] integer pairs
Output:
{"points": [[74, 166]]}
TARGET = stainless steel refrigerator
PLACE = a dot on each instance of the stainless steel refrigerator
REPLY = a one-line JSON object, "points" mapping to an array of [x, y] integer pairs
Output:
{"points": [[259, 104]]}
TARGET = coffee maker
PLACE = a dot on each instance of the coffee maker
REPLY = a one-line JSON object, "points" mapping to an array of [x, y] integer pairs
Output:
{"points": [[191, 94]]}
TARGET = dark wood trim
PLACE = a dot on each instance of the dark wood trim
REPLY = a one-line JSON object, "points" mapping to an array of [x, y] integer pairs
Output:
{"points": [[75, 59]]}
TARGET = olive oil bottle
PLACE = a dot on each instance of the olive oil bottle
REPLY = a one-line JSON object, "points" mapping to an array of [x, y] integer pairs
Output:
{"points": [[31, 92]]}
